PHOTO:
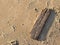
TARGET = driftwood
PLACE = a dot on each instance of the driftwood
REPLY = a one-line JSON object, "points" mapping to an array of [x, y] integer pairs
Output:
{"points": [[40, 23]]}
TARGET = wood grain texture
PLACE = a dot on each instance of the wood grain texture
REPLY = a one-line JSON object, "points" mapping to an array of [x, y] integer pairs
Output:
{"points": [[40, 23]]}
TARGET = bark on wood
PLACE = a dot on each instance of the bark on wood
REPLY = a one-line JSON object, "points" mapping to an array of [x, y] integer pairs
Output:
{"points": [[40, 23]]}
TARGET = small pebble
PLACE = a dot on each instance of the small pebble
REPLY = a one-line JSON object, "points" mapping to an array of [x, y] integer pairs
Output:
{"points": [[22, 24], [15, 42], [13, 28], [36, 9]]}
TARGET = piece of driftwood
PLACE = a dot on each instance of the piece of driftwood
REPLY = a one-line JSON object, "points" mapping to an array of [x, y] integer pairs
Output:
{"points": [[47, 25], [40, 23]]}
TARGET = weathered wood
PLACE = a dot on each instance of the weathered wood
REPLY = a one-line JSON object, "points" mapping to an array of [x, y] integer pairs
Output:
{"points": [[40, 23]]}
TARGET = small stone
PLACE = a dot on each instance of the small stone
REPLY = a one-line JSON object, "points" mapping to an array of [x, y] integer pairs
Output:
{"points": [[36, 9], [22, 24], [15, 42], [13, 27]]}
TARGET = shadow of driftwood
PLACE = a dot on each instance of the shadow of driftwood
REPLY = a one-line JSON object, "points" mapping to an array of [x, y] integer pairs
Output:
{"points": [[47, 25]]}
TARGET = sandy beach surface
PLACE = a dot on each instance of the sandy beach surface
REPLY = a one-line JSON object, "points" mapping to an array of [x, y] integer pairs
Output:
{"points": [[17, 18]]}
